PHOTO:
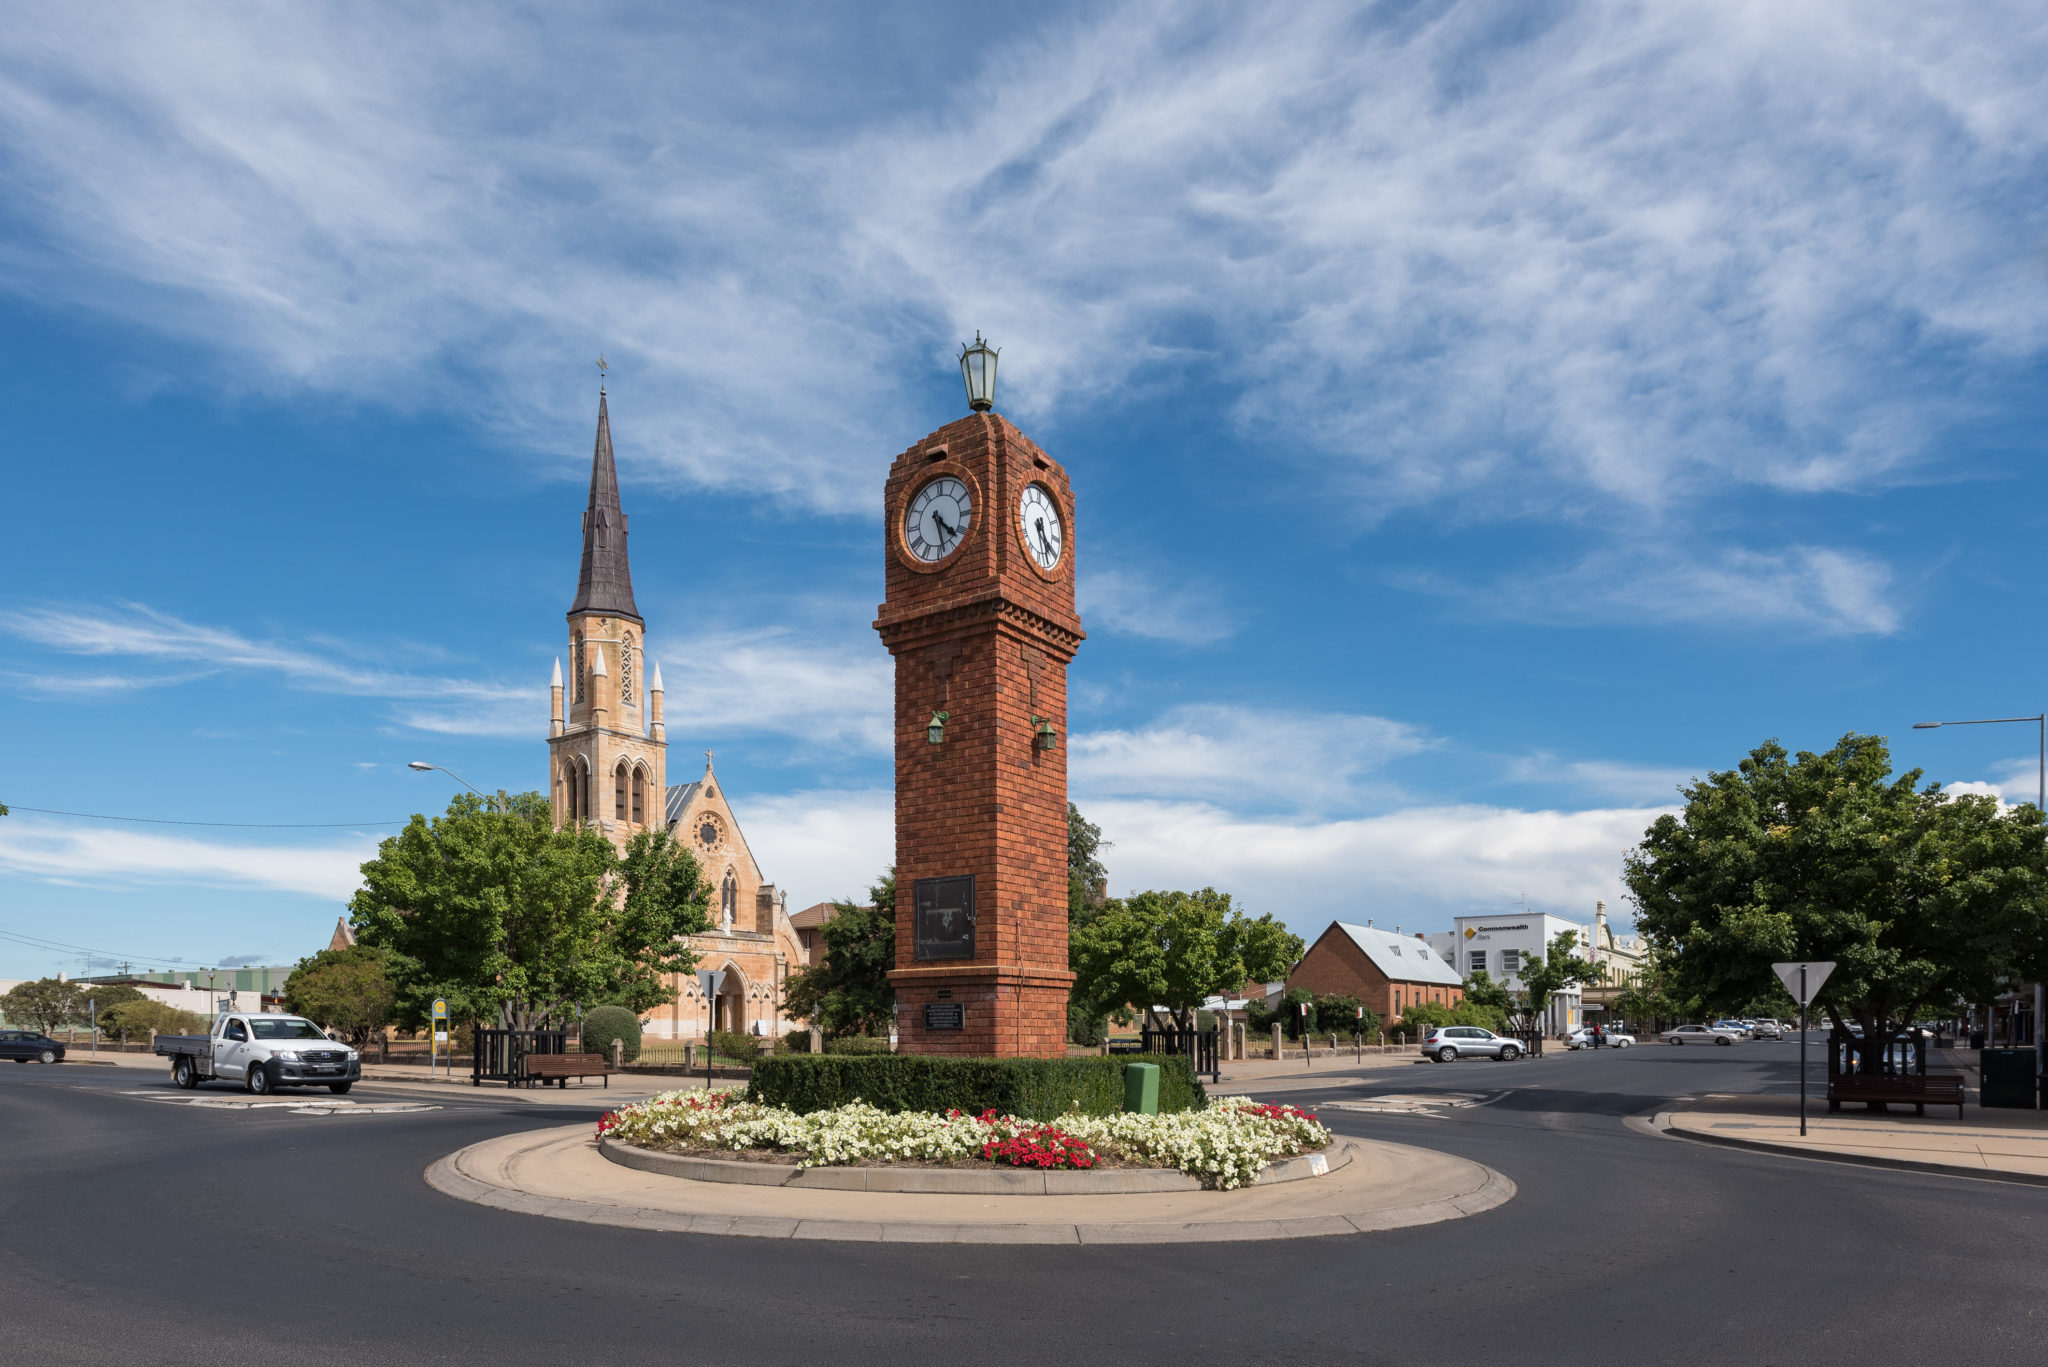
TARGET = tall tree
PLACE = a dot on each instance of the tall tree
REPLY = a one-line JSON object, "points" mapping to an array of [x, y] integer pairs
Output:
{"points": [[45, 1004], [1922, 899], [1545, 974], [102, 998], [666, 898], [497, 911], [847, 992], [1169, 950], [1086, 874], [349, 990]]}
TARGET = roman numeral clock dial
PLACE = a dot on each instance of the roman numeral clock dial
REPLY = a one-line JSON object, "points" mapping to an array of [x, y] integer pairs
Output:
{"points": [[936, 520], [1038, 519]]}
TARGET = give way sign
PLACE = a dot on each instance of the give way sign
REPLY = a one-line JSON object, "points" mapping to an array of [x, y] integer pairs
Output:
{"points": [[1816, 974]]}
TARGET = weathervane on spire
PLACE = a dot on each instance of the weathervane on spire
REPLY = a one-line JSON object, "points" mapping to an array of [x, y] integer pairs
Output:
{"points": [[602, 368]]}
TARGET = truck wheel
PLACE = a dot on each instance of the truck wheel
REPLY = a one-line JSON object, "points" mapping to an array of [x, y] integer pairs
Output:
{"points": [[340, 1088], [48, 1056], [257, 1079], [184, 1074]]}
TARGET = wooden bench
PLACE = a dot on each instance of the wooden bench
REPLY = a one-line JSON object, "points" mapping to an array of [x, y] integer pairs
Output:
{"points": [[559, 1068], [1877, 1089]]}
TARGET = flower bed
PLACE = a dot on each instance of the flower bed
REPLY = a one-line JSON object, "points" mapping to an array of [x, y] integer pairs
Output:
{"points": [[1226, 1144]]}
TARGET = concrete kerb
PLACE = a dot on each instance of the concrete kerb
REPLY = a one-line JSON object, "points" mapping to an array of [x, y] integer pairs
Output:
{"points": [[978, 1181], [559, 1173], [1661, 1124]]}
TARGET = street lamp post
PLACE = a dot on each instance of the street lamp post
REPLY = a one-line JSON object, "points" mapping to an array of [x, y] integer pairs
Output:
{"points": [[2041, 804], [496, 803]]}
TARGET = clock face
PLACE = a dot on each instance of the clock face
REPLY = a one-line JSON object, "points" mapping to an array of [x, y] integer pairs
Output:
{"points": [[937, 519], [1038, 517]]}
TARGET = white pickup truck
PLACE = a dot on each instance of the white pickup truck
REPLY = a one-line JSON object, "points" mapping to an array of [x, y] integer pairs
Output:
{"points": [[263, 1053]]}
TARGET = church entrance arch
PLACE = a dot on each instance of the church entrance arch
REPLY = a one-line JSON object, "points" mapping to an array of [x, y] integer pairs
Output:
{"points": [[731, 1012]]}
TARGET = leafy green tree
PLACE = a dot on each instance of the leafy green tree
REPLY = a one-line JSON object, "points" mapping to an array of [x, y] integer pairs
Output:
{"points": [[497, 911], [138, 1018], [1560, 967], [1170, 950], [1482, 991], [45, 1004], [1086, 874], [1921, 899], [102, 998], [847, 992], [667, 897], [347, 990]]}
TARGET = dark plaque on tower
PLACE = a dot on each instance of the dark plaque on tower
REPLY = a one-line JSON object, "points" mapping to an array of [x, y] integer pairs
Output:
{"points": [[945, 918], [945, 1015]]}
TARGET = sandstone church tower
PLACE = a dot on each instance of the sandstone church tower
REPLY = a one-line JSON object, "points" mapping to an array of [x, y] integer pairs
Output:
{"points": [[979, 568], [608, 768], [608, 758]]}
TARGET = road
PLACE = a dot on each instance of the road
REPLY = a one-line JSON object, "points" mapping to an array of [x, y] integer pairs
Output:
{"points": [[146, 1232]]}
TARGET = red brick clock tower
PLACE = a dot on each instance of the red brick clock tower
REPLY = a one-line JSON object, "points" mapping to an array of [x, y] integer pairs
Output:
{"points": [[978, 546]]}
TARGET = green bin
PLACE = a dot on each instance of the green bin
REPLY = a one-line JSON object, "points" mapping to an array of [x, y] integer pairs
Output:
{"points": [[1141, 1088], [2008, 1078]]}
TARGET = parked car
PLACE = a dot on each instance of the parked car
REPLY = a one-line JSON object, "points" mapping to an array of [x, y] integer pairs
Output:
{"points": [[1700, 1034], [24, 1046], [1582, 1038], [1449, 1043], [1741, 1028], [1767, 1029]]}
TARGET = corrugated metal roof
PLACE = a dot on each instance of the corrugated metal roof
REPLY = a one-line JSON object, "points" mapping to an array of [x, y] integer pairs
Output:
{"points": [[1401, 957]]}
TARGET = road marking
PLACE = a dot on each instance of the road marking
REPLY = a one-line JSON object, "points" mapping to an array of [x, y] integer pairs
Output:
{"points": [[296, 1105]]}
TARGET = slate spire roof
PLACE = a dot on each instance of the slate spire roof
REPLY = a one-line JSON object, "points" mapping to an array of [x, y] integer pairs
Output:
{"points": [[605, 581]]}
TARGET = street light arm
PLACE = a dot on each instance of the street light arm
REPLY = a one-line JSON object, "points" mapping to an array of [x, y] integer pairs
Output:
{"points": [[423, 767]]}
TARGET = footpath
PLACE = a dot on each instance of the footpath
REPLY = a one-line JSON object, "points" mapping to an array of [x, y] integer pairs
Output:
{"points": [[2010, 1145]]}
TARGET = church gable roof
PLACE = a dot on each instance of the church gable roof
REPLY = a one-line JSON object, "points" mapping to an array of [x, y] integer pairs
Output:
{"points": [[684, 799]]}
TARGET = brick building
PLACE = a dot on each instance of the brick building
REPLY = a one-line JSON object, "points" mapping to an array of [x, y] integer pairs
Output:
{"points": [[608, 767], [1387, 971]]}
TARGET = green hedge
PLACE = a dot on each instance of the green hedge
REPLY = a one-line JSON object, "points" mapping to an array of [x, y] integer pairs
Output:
{"points": [[603, 1024], [858, 1044], [1032, 1088], [735, 1044]]}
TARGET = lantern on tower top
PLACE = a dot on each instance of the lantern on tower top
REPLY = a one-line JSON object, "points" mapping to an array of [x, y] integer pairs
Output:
{"points": [[978, 368]]}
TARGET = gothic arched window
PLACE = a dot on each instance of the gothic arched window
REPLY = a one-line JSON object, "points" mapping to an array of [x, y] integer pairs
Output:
{"points": [[577, 654], [639, 795], [619, 793]]}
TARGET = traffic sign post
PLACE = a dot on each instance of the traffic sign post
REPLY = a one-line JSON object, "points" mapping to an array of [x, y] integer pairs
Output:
{"points": [[440, 1033], [1803, 980], [710, 980]]}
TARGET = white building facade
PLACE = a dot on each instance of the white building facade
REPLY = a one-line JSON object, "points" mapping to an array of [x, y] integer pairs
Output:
{"points": [[1500, 945]]}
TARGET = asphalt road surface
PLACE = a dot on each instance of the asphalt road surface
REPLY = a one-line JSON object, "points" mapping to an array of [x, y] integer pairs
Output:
{"points": [[137, 1232]]}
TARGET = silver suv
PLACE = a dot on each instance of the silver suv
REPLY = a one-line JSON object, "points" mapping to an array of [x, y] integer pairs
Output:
{"points": [[1449, 1043]]}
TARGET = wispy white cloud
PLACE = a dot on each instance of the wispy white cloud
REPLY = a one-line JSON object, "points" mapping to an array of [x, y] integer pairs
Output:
{"points": [[1828, 591], [1241, 755], [1611, 779], [1135, 603], [71, 853], [1527, 264], [1418, 866], [820, 691], [100, 685]]}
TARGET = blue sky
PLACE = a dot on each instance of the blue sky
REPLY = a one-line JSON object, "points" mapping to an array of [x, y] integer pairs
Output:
{"points": [[1482, 419]]}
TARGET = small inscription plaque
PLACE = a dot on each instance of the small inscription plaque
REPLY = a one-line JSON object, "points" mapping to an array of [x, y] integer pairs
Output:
{"points": [[945, 1015], [945, 918]]}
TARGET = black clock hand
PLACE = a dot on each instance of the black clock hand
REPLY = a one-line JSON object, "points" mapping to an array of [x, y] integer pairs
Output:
{"points": [[940, 523], [1041, 537]]}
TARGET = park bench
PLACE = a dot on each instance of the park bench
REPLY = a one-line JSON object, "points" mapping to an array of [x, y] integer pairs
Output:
{"points": [[1876, 1089], [559, 1068]]}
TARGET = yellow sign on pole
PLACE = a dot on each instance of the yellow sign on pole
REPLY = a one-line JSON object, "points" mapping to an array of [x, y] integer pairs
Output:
{"points": [[440, 1033]]}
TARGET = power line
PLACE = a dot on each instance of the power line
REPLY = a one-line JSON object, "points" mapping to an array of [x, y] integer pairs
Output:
{"points": [[237, 825], [60, 947]]}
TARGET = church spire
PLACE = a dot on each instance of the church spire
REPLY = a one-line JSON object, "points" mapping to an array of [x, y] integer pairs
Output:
{"points": [[605, 582]]}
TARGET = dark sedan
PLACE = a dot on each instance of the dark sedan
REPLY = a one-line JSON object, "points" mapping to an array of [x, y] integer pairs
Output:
{"points": [[24, 1046]]}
